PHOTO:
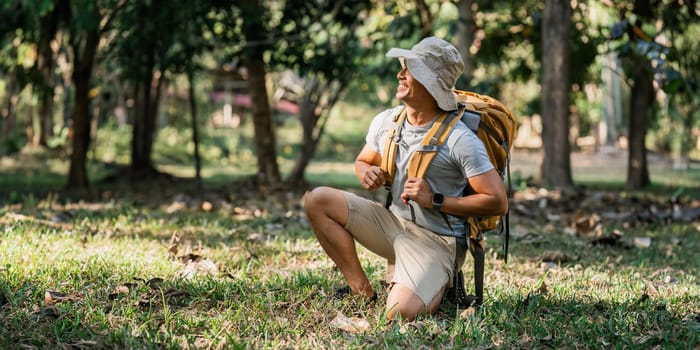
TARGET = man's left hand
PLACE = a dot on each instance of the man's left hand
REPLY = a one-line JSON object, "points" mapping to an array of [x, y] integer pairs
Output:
{"points": [[417, 190]]}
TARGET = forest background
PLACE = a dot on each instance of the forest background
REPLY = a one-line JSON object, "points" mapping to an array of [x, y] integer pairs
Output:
{"points": [[130, 124]]}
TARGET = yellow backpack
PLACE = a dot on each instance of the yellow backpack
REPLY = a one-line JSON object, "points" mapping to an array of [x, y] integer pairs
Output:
{"points": [[495, 126]]}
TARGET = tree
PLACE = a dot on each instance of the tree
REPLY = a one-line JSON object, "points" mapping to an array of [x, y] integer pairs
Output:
{"points": [[648, 55], [8, 116], [254, 30], [556, 166], [466, 33], [642, 100], [155, 41], [195, 125], [45, 64], [89, 21], [31, 24], [315, 40], [191, 45], [16, 16], [328, 60], [142, 57]]}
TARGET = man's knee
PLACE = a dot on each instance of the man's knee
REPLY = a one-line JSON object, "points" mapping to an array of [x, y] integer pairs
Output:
{"points": [[316, 198], [405, 302], [406, 311], [326, 202]]}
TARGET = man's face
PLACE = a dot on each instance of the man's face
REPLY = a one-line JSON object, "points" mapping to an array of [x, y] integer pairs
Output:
{"points": [[409, 89]]}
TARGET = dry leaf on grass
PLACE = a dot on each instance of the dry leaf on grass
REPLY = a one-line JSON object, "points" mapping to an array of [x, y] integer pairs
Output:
{"points": [[49, 311], [587, 224], [350, 324], [118, 292], [84, 344], [207, 206], [174, 244], [203, 267], [416, 326], [468, 312], [53, 297], [642, 242]]}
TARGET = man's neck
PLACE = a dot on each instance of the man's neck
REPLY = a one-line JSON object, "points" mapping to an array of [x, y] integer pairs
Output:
{"points": [[421, 116]]}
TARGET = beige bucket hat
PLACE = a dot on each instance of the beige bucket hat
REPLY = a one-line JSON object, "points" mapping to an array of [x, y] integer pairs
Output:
{"points": [[436, 64]]}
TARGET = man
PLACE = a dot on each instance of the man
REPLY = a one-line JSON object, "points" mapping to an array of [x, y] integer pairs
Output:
{"points": [[414, 235]]}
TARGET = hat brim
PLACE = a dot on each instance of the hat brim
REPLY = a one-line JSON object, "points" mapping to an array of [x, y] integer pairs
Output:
{"points": [[444, 96], [395, 52]]}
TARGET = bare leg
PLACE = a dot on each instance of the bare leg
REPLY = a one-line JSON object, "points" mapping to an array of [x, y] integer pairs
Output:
{"points": [[402, 300], [328, 213]]}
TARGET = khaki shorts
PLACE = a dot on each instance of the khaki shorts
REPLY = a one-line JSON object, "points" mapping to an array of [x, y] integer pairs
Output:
{"points": [[424, 260]]}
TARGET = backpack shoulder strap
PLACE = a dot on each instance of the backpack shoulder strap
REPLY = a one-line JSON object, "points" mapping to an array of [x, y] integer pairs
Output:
{"points": [[388, 165], [436, 136]]}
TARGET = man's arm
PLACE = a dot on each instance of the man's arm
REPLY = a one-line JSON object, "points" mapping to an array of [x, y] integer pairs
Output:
{"points": [[367, 169], [489, 199]]}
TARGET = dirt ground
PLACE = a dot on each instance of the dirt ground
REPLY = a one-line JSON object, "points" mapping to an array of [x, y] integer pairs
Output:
{"points": [[608, 164]]}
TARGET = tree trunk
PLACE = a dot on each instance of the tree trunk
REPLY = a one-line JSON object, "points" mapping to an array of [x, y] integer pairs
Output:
{"points": [[46, 64], [32, 129], [642, 97], [144, 125], [641, 101], [309, 118], [195, 128], [9, 112], [686, 135], [556, 166], [314, 123], [139, 159], [82, 71], [612, 101], [66, 73], [265, 140], [466, 31]]}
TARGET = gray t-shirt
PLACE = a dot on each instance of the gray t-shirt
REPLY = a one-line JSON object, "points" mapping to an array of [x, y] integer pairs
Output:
{"points": [[462, 156]]}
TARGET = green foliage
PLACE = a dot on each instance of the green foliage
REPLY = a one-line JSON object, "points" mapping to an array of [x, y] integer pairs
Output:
{"points": [[174, 146], [346, 41], [11, 145], [669, 46]]}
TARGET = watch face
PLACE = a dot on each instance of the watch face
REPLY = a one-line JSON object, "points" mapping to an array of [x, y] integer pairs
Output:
{"points": [[438, 198]]}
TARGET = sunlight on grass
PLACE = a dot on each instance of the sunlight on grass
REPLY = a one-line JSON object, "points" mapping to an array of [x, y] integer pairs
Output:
{"points": [[154, 269], [123, 285]]}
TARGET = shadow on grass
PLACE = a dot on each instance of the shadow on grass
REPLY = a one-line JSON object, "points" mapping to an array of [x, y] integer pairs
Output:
{"points": [[557, 321], [143, 318], [510, 318]]}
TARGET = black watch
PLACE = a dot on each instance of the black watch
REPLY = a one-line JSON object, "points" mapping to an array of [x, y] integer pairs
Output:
{"points": [[438, 200]]}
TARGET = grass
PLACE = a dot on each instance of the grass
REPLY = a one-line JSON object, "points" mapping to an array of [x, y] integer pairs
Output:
{"points": [[270, 283], [166, 266]]}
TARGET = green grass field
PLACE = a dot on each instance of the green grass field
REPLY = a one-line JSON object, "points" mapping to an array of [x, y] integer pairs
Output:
{"points": [[168, 266]]}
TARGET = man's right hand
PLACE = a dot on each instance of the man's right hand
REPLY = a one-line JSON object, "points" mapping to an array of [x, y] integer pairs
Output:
{"points": [[373, 178], [367, 169]]}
